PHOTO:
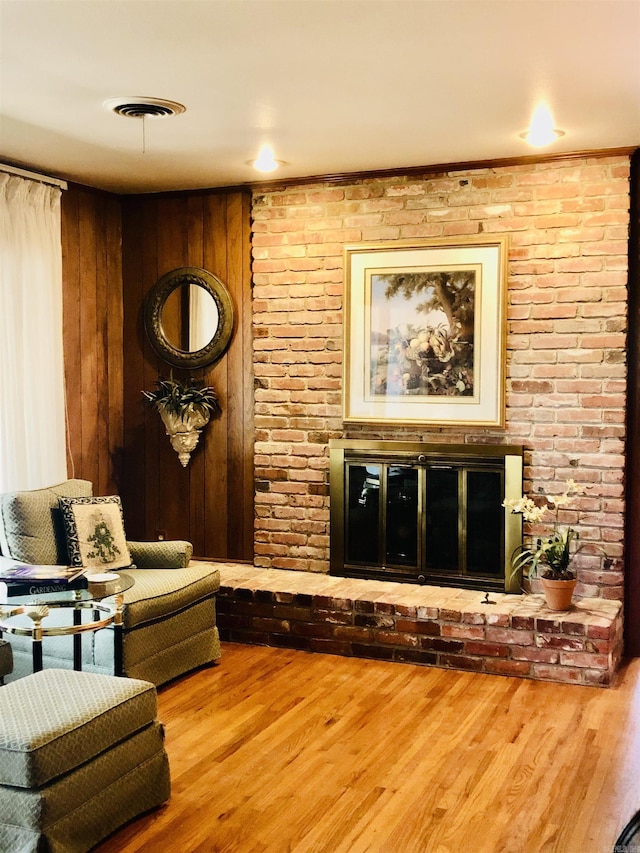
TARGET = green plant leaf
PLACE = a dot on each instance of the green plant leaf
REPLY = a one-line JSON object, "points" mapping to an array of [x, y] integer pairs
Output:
{"points": [[181, 398]]}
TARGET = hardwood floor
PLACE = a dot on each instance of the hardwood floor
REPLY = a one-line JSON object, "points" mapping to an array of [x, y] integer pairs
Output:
{"points": [[277, 750]]}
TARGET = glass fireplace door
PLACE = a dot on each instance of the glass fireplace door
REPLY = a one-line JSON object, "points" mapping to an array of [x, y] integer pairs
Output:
{"points": [[425, 513], [402, 516], [383, 516], [464, 527]]}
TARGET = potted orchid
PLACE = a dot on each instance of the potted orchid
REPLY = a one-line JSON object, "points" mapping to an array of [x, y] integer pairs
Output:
{"points": [[549, 556]]}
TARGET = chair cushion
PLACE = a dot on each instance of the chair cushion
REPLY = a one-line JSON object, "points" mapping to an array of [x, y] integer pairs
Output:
{"points": [[31, 528], [54, 720], [95, 532], [158, 593]]}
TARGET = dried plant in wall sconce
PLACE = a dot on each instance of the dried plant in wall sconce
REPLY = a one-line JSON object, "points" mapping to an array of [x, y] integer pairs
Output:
{"points": [[185, 410]]}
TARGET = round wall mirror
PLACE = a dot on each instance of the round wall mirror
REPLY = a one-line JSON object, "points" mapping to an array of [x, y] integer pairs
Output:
{"points": [[188, 317]]}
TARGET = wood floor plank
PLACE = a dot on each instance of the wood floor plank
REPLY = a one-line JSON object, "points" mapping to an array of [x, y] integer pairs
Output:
{"points": [[279, 751]]}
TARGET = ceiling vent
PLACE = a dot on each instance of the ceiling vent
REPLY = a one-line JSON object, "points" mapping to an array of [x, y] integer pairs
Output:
{"points": [[144, 107]]}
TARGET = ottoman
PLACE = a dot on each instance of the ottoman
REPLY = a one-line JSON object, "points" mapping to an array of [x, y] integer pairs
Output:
{"points": [[80, 755]]}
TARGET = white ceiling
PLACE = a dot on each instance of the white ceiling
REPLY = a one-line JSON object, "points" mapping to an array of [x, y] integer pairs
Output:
{"points": [[334, 85]]}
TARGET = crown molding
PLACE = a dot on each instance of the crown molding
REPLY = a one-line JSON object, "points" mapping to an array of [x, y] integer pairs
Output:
{"points": [[436, 169]]}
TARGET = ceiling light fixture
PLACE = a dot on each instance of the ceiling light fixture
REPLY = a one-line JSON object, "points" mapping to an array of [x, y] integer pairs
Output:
{"points": [[144, 108], [265, 161], [541, 131]]}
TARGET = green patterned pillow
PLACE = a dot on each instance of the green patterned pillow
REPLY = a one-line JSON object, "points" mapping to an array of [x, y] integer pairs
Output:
{"points": [[95, 533]]}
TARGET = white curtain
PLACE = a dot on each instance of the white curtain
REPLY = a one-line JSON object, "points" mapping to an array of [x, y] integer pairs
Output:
{"points": [[32, 413]]}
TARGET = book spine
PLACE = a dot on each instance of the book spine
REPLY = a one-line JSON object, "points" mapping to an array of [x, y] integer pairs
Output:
{"points": [[15, 588]]}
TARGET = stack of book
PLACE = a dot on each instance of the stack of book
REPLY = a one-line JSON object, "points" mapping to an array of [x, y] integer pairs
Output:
{"points": [[38, 580]]}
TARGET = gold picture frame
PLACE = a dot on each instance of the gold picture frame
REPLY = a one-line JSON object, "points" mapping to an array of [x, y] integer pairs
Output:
{"points": [[425, 332]]}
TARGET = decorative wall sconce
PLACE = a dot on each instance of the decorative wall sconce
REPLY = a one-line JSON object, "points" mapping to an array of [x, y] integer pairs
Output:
{"points": [[185, 411]]}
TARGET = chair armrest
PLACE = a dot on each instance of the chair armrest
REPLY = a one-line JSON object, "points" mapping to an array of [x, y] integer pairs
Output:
{"points": [[170, 554]]}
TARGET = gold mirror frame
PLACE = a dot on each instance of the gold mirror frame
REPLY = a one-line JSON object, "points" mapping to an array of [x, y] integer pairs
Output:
{"points": [[155, 302]]}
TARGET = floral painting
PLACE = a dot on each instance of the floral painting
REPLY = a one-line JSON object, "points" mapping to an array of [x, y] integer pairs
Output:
{"points": [[425, 332], [422, 333]]}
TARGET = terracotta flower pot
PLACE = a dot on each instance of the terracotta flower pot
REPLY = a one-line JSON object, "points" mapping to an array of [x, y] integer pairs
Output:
{"points": [[558, 594]]}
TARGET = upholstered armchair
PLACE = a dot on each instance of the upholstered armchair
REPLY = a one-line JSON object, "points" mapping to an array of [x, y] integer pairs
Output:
{"points": [[169, 613]]}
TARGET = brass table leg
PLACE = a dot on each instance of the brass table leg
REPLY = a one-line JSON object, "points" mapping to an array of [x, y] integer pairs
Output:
{"points": [[118, 631], [37, 613], [77, 638]]}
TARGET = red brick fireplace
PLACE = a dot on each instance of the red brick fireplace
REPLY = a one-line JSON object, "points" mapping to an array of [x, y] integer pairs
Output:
{"points": [[567, 221]]}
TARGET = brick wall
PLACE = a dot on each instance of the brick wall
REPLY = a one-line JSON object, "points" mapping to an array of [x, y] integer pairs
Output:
{"points": [[567, 317]]}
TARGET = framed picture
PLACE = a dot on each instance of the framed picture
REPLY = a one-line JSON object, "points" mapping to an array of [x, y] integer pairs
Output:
{"points": [[425, 332]]}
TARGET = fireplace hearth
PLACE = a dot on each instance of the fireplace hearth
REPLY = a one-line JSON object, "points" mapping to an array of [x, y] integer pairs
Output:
{"points": [[426, 513]]}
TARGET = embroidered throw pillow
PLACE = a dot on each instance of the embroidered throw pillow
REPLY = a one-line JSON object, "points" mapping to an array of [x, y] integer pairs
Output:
{"points": [[95, 533]]}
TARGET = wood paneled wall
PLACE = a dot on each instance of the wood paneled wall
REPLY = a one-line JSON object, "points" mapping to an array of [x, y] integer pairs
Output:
{"points": [[92, 318], [210, 502], [114, 250]]}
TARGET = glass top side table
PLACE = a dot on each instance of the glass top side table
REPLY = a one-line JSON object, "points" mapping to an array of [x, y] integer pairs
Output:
{"points": [[105, 600]]}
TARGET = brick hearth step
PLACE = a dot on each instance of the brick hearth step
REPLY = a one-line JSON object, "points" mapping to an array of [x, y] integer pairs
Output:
{"points": [[434, 626]]}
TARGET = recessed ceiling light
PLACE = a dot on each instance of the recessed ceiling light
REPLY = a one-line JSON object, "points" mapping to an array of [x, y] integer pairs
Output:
{"points": [[265, 161], [541, 131]]}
